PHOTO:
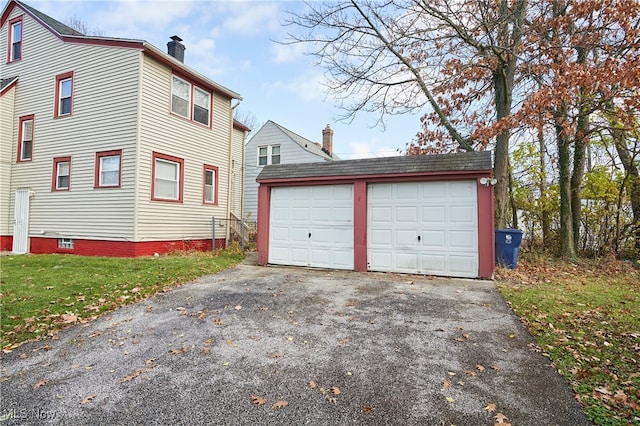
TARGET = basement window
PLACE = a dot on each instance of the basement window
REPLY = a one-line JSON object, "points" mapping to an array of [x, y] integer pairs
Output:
{"points": [[65, 243]]}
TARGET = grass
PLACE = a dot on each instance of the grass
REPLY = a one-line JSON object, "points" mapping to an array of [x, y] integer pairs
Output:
{"points": [[586, 319], [41, 294]]}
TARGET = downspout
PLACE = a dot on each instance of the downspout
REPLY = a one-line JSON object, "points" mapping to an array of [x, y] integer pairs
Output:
{"points": [[230, 171]]}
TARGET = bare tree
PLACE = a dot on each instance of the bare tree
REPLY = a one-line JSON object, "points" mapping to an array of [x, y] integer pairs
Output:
{"points": [[456, 59], [82, 27], [248, 118]]}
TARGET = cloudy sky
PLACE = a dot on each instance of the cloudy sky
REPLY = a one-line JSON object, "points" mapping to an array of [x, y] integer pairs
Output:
{"points": [[232, 42]]}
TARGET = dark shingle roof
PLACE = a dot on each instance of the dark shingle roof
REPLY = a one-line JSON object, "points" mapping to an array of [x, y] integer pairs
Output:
{"points": [[6, 81], [57, 26], [466, 161]]}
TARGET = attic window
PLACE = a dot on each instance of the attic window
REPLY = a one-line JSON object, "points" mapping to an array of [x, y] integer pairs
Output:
{"points": [[15, 39], [190, 101]]}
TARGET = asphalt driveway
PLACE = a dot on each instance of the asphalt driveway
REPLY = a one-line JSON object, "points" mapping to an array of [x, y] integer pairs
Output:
{"points": [[268, 345]]}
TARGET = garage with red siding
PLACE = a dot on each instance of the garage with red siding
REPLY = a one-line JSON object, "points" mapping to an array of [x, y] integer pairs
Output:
{"points": [[427, 214]]}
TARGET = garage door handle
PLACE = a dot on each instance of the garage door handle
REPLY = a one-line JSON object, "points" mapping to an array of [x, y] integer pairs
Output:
{"points": [[418, 237], [309, 234]]}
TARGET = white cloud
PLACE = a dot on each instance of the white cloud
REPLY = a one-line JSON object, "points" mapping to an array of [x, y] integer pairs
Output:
{"points": [[287, 53], [309, 86], [252, 18]]}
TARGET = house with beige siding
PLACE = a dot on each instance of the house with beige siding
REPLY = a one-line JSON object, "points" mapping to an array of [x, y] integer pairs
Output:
{"points": [[275, 144], [111, 146]]}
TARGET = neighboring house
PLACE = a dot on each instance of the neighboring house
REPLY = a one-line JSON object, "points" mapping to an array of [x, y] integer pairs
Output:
{"points": [[274, 144], [110, 146]]}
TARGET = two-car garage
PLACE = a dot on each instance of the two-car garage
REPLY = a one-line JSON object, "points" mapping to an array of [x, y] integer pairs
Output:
{"points": [[423, 214]]}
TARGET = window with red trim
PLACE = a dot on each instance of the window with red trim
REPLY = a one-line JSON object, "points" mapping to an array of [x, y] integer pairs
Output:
{"points": [[25, 138], [190, 101], [14, 50], [210, 185], [61, 180], [168, 178], [108, 170], [64, 95]]}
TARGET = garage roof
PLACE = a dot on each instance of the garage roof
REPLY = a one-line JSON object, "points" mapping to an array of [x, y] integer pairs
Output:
{"points": [[465, 161]]}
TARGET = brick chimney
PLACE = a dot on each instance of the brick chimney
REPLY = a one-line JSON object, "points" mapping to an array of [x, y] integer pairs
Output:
{"points": [[175, 48], [327, 140]]}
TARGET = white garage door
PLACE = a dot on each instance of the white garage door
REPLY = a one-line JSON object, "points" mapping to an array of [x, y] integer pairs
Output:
{"points": [[312, 226], [423, 227]]}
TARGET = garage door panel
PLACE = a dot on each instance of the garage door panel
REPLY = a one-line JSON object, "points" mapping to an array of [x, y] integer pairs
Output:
{"points": [[443, 214], [312, 226]]}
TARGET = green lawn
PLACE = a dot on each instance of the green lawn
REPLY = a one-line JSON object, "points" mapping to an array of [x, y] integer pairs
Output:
{"points": [[40, 294], [586, 319]]}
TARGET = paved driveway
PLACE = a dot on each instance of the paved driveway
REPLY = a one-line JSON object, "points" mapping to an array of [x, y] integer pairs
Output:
{"points": [[338, 347]]}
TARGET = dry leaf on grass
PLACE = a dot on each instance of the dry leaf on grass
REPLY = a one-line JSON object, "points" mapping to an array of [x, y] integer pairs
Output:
{"points": [[491, 407], [312, 384], [335, 390], [279, 404], [368, 409]]}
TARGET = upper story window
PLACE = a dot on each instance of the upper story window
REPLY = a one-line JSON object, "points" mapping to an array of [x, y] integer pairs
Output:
{"points": [[15, 40], [190, 102], [25, 138], [168, 178], [108, 169], [269, 154], [61, 174], [210, 185], [64, 94]]}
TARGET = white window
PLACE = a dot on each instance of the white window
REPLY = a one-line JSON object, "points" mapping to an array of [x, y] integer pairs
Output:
{"points": [[15, 46], [269, 154], [201, 106], [65, 243], [25, 145], [167, 177], [108, 166], [61, 173], [210, 184], [180, 97]]}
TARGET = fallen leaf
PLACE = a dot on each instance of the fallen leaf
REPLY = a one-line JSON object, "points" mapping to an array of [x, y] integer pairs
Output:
{"points": [[368, 409], [451, 373], [491, 407], [23, 356], [276, 355], [335, 390], [312, 384], [501, 419], [446, 383], [206, 350], [470, 373], [87, 399], [343, 340], [41, 383], [279, 404], [175, 351], [450, 400], [135, 374], [218, 321], [258, 400], [237, 307], [466, 335], [480, 367]]}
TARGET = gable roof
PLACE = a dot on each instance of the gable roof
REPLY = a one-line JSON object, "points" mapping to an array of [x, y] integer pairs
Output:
{"points": [[304, 143], [406, 165], [6, 83], [69, 35]]}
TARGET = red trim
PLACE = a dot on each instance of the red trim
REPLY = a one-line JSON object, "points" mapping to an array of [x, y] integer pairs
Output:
{"points": [[379, 178], [486, 231], [264, 211], [214, 169], [33, 130], [54, 176], [180, 161], [84, 247], [97, 170], [238, 125], [6, 242], [56, 107], [360, 261], [9, 36]]}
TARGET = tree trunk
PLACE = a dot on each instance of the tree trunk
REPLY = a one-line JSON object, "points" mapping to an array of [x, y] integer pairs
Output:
{"points": [[545, 218], [633, 178], [567, 247]]}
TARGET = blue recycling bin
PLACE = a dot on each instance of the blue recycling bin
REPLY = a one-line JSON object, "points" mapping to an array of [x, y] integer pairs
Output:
{"points": [[507, 245]]}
